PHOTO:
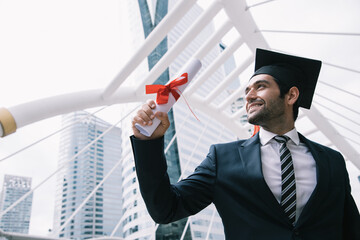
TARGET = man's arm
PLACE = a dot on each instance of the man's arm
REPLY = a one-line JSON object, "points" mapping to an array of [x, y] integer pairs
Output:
{"points": [[165, 202]]}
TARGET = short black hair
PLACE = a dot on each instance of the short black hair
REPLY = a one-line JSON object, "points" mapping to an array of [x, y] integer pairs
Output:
{"points": [[284, 90]]}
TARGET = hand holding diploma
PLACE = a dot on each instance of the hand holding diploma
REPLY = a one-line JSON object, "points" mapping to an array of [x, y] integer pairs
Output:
{"points": [[145, 117], [154, 114]]}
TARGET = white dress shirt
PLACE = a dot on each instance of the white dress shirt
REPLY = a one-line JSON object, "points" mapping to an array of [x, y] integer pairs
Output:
{"points": [[303, 162]]}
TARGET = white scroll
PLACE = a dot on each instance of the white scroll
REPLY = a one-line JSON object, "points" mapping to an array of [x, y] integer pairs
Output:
{"points": [[191, 69]]}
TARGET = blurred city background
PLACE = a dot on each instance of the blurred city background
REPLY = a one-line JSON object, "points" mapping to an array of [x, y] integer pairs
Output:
{"points": [[72, 175]]}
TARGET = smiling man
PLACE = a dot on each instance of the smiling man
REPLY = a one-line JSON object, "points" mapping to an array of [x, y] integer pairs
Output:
{"points": [[276, 185], [264, 106]]}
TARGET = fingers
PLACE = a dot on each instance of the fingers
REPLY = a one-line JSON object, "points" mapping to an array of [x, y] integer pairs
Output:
{"points": [[145, 114], [151, 103]]}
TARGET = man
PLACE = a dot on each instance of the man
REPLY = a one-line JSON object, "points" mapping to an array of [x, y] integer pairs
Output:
{"points": [[276, 185]]}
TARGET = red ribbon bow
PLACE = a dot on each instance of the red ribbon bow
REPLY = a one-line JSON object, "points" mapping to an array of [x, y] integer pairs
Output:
{"points": [[163, 91]]}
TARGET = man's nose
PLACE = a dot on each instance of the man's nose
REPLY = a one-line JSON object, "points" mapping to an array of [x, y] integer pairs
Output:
{"points": [[250, 95]]}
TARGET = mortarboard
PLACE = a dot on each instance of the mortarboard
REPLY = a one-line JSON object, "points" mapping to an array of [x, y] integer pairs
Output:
{"points": [[290, 71]]}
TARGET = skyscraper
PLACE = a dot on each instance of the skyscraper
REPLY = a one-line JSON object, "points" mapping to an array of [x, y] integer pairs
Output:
{"points": [[18, 219], [81, 174], [192, 138]]}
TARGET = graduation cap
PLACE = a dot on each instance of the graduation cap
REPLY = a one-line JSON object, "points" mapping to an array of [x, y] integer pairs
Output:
{"points": [[289, 71]]}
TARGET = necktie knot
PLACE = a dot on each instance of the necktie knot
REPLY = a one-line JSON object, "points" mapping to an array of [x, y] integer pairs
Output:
{"points": [[281, 138]]}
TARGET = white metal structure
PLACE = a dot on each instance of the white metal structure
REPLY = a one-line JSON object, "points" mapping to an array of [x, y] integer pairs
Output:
{"points": [[250, 36], [332, 120]]}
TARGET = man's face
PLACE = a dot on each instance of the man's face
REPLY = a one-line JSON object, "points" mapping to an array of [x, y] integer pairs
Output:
{"points": [[263, 102]]}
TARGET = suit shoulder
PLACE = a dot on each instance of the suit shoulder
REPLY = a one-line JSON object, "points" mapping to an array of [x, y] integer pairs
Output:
{"points": [[221, 147], [334, 154], [325, 148], [228, 144]]}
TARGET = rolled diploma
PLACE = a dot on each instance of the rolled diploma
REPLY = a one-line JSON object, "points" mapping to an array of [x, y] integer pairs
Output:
{"points": [[191, 69]]}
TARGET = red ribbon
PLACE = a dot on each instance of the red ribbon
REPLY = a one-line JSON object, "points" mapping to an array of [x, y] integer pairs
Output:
{"points": [[163, 91]]}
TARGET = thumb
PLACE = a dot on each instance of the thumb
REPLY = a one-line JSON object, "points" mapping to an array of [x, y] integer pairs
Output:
{"points": [[163, 117]]}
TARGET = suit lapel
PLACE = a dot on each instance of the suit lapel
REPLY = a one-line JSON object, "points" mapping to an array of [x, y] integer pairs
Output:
{"points": [[322, 185], [251, 159]]}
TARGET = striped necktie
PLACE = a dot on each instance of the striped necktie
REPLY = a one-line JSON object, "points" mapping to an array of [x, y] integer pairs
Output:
{"points": [[288, 187]]}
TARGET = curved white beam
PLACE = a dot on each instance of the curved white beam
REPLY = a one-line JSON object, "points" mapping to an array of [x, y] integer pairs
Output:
{"points": [[154, 38], [179, 46], [235, 73], [244, 24], [40, 109], [331, 133], [214, 39], [219, 116], [215, 65]]}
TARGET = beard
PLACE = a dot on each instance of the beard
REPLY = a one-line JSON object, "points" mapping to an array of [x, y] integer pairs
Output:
{"points": [[268, 111]]}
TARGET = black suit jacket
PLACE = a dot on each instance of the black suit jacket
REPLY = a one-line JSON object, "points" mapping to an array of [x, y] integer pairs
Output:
{"points": [[231, 177]]}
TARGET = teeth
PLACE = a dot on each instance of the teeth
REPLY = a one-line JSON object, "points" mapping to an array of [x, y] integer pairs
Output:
{"points": [[254, 105]]}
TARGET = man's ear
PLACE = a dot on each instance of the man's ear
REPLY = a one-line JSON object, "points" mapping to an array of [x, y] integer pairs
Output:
{"points": [[292, 95]]}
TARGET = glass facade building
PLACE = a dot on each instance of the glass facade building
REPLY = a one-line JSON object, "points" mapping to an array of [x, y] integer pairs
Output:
{"points": [[193, 138], [81, 174], [18, 219], [172, 230]]}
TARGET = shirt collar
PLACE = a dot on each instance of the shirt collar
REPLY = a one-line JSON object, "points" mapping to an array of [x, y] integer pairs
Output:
{"points": [[266, 136]]}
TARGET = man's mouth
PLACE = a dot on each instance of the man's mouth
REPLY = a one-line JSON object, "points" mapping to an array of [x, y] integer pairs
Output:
{"points": [[253, 106]]}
